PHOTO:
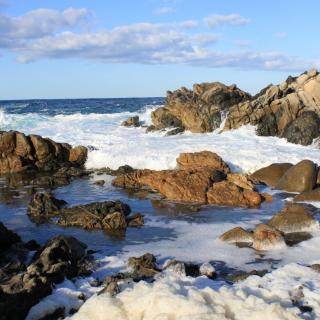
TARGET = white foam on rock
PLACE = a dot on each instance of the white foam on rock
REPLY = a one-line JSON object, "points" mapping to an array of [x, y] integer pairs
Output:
{"points": [[118, 145], [174, 297]]}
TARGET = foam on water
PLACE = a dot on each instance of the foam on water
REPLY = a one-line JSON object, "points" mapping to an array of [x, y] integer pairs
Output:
{"points": [[116, 145]]}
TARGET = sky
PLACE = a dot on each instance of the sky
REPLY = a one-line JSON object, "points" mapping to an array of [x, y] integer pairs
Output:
{"points": [[142, 48]]}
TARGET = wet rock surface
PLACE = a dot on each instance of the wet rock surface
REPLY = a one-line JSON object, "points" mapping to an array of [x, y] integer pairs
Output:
{"points": [[201, 177], [107, 215], [21, 153], [197, 110], [131, 122], [24, 283]]}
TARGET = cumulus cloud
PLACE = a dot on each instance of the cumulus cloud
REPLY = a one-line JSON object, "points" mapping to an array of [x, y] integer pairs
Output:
{"points": [[40, 22], [215, 20], [55, 35]]}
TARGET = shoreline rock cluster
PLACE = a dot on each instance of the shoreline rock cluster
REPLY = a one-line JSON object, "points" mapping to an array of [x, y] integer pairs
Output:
{"points": [[106, 215], [201, 177], [23, 284], [290, 110], [289, 226], [22, 153]]}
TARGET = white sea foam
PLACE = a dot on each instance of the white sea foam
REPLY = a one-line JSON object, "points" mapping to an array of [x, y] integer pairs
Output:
{"points": [[182, 298], [119, 145]]}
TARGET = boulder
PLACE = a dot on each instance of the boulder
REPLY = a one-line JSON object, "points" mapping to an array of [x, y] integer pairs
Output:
{"points": [[271, 174], [265, 237], [175, 131], [202, 159], [22, 153], [294, 218], [60, 257], [313, 195], [44, 205], [131, 122], [144, 266], [299, 178], [7, 238], [237, 235], [240, 181]]}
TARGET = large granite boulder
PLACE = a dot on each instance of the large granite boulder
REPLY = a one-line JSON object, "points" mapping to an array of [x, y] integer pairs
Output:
{"points": [[200, 109], [290, 110], [21, 153], [271, 174], [299, 178]]}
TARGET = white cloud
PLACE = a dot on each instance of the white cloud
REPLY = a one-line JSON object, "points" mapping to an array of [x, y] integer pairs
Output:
{"points": [[40, 22], [216, 20], [52, 34], [164, 10]]}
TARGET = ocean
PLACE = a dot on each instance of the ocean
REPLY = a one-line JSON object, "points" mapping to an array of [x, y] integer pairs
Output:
{"points": [[171, 230]]}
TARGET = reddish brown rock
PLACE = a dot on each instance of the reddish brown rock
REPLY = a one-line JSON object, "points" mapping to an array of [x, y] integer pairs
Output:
{"points": [[202, 159], [228, 194], [270, 175], [237, 235], [19, 153], [313, 195]]}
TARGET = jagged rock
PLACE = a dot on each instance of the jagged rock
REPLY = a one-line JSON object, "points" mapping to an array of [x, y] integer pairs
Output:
{"points": [[175, 131], [237, 235], [265, 237], [240, 181], [229, 194], [277, 110], [131, 122], [44, 205], [304, 129], [59, 257], [271, 174], [107, 215], [313, 195], [299, 178], [144, 266], [202, 159], [294, 218], [198, 110], [196, 180], [21, 153], [121, 170]]}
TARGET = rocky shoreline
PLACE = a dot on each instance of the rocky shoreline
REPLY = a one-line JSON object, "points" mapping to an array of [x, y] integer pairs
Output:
{"points": [[30, 272]]}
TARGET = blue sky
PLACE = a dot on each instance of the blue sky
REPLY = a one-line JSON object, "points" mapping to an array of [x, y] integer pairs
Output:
{"points": [[126, 48]]}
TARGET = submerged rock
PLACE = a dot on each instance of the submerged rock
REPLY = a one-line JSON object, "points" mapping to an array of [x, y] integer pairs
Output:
{"points": [[265, 237]]}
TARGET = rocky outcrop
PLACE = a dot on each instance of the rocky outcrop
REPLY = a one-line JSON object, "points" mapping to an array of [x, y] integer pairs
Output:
{"points": [[289, 226], [197, 110], [25, 285], [200, 177], [313, 195], [107, 215], [131, 122], [21, 153], [289, 110]]}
